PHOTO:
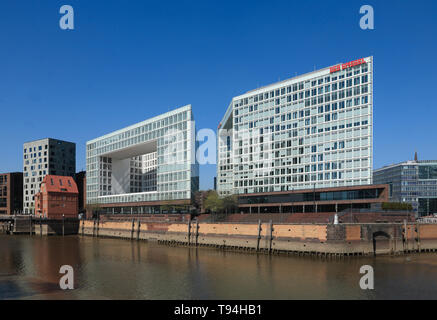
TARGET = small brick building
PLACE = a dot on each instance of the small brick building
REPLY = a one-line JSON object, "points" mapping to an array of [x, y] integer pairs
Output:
{"points": [[58, 196]]}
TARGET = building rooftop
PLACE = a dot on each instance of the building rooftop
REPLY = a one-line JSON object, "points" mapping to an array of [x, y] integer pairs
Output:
{"points": [[297, 78], [406, 163], [53, 139], [142, 123], [63, 184]]}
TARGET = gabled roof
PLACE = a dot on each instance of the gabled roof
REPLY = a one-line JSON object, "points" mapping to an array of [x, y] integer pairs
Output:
{"points": [[63, 184]]}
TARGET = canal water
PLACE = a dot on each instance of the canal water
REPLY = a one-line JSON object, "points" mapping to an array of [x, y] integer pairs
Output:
{"points": [[122, 269]]}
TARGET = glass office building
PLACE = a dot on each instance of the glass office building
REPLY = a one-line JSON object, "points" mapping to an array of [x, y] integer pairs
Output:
{"points": [[310, 131], [146, 166], [414, 182]]}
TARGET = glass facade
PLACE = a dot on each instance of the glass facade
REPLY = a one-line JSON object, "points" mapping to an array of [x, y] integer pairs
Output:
{"points": [[150, 161], [314, 130], [414, 182], [364, 194]]}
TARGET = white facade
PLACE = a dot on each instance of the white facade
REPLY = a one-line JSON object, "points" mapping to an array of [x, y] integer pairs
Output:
{"points": [[150, 161], [314, 130]]}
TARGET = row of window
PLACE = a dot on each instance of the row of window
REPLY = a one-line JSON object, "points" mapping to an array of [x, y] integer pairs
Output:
{"points": [[304, 85]]}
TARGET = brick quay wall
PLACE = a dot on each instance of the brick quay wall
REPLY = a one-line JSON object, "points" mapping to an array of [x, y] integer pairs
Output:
{"points": [[302, 239]]}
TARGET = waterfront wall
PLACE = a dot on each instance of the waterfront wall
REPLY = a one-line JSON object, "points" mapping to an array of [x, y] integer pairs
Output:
{"points": [[30, 226], [319, 239]]}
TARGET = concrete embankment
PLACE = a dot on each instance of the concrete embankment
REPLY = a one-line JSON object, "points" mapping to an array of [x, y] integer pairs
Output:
{"points": [[30, 225], [317, 239]]}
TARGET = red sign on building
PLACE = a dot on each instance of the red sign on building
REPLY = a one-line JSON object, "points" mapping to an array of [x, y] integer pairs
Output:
{"points": [[347, 65]]}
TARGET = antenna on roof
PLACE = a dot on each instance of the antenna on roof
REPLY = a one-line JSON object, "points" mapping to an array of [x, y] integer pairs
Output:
{"points": [[415, 156]]}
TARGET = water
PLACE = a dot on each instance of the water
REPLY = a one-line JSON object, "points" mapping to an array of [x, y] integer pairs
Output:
{"points": [[121, 269]]}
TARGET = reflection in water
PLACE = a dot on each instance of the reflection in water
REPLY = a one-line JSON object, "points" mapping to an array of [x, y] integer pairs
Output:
{"points": [[120, 269]]}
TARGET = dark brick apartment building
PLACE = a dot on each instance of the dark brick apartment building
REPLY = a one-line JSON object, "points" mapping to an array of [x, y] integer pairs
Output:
{"points": [[11, 192]]}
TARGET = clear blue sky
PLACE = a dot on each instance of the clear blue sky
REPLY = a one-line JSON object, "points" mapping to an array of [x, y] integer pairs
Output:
{"points": [[127, 61]]}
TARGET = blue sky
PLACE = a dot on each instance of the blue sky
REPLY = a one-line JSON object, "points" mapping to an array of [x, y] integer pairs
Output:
{"points": [[127, 61]]}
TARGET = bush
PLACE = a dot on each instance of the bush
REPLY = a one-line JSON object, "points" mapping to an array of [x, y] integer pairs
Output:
{"points": [[404, 206]]}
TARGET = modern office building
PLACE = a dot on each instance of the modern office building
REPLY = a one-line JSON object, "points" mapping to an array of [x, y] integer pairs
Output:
{"points": [[11, 193], [310, 131], [148, 167], [42, 157], [414, 182]]}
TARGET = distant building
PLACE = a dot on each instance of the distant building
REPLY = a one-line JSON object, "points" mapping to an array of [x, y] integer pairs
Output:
{"points": [[42, 157], [414, 182], [215, 183], [58, 197], [80, 179], [11, 193]]}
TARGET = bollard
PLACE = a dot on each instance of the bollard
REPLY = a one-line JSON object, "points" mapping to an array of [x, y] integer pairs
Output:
{"points": [[189, 230], [139, 229], [259, 235], [197, 231], [98, 226], [132, 229], [270, 236], [405, 235]]}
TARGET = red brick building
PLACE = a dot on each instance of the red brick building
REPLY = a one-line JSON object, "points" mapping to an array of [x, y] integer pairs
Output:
{"points": [[58, 196], [11, 193]]}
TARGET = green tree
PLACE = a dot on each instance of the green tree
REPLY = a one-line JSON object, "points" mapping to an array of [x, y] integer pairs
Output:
{"points": [[230, 203], [213, 202], [397, 206], [93, 208]]}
